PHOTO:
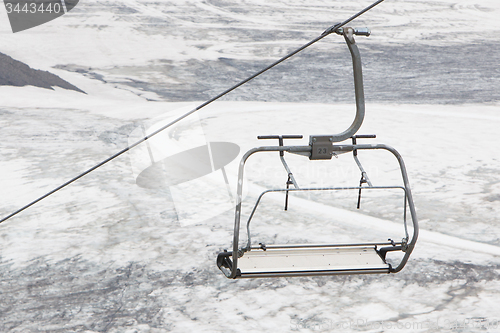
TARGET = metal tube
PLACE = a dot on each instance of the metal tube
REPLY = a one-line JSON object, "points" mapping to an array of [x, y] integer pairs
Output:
{"points": [[413, 213], [358, 88], [310, 190], [290, 174], [239, 193], [363, 172], [406, 189]]}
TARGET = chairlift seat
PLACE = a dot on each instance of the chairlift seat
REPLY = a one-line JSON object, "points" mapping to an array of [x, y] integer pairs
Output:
{"points": [[307, 260]]}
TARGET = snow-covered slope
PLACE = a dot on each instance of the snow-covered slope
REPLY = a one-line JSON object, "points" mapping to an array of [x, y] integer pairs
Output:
{"points": [[105, 255]]}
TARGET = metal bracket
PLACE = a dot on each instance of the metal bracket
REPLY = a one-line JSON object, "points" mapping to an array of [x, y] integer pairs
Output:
{"points": [[404, 244], [322, 147], [361, 182]]}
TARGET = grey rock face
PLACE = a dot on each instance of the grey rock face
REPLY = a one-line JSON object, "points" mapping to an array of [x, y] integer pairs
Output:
{"points": [[18, 74]]}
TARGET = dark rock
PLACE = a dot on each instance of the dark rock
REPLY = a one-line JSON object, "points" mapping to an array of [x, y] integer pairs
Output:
{"points": [[18, 74]]}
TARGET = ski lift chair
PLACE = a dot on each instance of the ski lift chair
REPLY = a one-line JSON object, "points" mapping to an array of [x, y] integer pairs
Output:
{"points": [[259, 261]]}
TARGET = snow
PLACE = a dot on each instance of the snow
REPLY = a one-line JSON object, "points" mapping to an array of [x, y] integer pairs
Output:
{"points": [[105, 255]]}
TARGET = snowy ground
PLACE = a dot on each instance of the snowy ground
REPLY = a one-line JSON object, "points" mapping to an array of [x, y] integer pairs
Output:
{"points": [[105, 255]]}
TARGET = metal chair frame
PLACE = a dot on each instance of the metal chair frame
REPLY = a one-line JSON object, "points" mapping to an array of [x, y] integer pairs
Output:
{"points": [[321, 259]]}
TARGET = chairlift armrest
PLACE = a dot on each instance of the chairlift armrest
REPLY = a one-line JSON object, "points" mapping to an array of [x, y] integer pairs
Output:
{"points": [[267, 137], [364, 136]]}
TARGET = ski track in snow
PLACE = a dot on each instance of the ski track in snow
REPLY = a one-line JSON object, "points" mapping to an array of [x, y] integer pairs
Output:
{"points": [[105, 255]]}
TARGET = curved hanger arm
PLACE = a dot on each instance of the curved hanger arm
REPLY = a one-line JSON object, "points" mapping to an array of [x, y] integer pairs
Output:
{"points": [[348, 34]]}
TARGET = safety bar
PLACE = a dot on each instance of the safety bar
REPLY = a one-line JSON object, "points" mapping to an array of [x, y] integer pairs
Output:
{"points": [[259, 199]]}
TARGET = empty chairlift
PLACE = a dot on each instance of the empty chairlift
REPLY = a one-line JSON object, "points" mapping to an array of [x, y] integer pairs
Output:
{"points": [[266, 260]]}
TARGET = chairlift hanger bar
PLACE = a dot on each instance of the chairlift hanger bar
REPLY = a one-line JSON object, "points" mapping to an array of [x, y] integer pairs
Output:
{"points": [[325, 33]]}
